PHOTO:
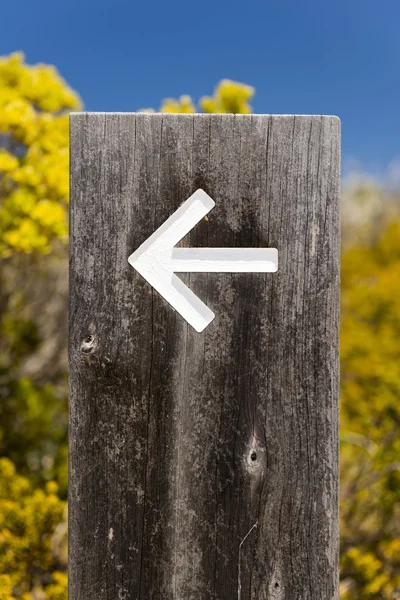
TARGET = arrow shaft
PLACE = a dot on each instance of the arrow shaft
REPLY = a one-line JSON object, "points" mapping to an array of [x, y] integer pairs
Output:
{"points": [[224, 260]]}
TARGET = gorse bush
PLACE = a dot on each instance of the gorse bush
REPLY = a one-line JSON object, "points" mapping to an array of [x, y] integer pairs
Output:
{"points": [[34, 106], [370, 418], [28, 519], [228, 97]]}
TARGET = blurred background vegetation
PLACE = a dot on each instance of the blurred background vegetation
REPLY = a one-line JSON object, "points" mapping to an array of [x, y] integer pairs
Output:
{"points": [[34, 107]]}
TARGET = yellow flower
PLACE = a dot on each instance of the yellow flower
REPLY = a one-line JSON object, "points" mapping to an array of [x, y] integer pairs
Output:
{"points": [[229, 97], [183, 105]]}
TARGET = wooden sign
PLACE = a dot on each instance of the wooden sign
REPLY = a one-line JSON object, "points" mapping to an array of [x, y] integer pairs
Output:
{"points": [[204, 380]]}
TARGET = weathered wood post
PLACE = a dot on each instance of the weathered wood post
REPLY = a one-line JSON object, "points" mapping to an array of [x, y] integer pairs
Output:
{"points": [[204, 465]]}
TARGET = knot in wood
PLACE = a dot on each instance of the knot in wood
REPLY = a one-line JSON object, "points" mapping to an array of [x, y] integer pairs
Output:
{"points": [[276, 588], [255, 458], [89, 344]]}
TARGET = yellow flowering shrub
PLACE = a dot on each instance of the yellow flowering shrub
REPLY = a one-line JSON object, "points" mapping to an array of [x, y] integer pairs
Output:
{"points": [[229, 97], [34, 106], [58, 589], [183, 105], [5, 587], [370, 418], [28, 518]]}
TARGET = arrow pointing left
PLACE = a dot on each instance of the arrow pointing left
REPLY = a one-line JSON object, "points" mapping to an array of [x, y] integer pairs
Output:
{"points": [[157, 260]]}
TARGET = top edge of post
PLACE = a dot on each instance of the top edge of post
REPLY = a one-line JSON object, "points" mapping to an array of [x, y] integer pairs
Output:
{"points": [[203, 115]]}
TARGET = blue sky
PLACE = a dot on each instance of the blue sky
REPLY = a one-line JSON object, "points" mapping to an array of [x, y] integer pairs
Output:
{"points": [[302, 56]]}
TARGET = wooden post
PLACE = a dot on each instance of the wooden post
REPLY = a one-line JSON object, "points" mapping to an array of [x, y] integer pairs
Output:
{"points": [[204, 465]]}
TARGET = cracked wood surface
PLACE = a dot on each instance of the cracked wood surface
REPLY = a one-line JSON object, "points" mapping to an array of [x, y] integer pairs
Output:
{"points": [[204, 466]]}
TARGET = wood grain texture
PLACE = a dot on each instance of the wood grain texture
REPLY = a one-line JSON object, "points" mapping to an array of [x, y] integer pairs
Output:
{"points": [[204, 466]]}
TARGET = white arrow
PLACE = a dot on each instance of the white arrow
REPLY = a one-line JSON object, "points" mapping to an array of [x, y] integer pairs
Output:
{"points": [[157, 260]]}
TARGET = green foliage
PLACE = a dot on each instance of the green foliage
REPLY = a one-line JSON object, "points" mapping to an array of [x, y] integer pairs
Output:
{"points": [[33, 430]]}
